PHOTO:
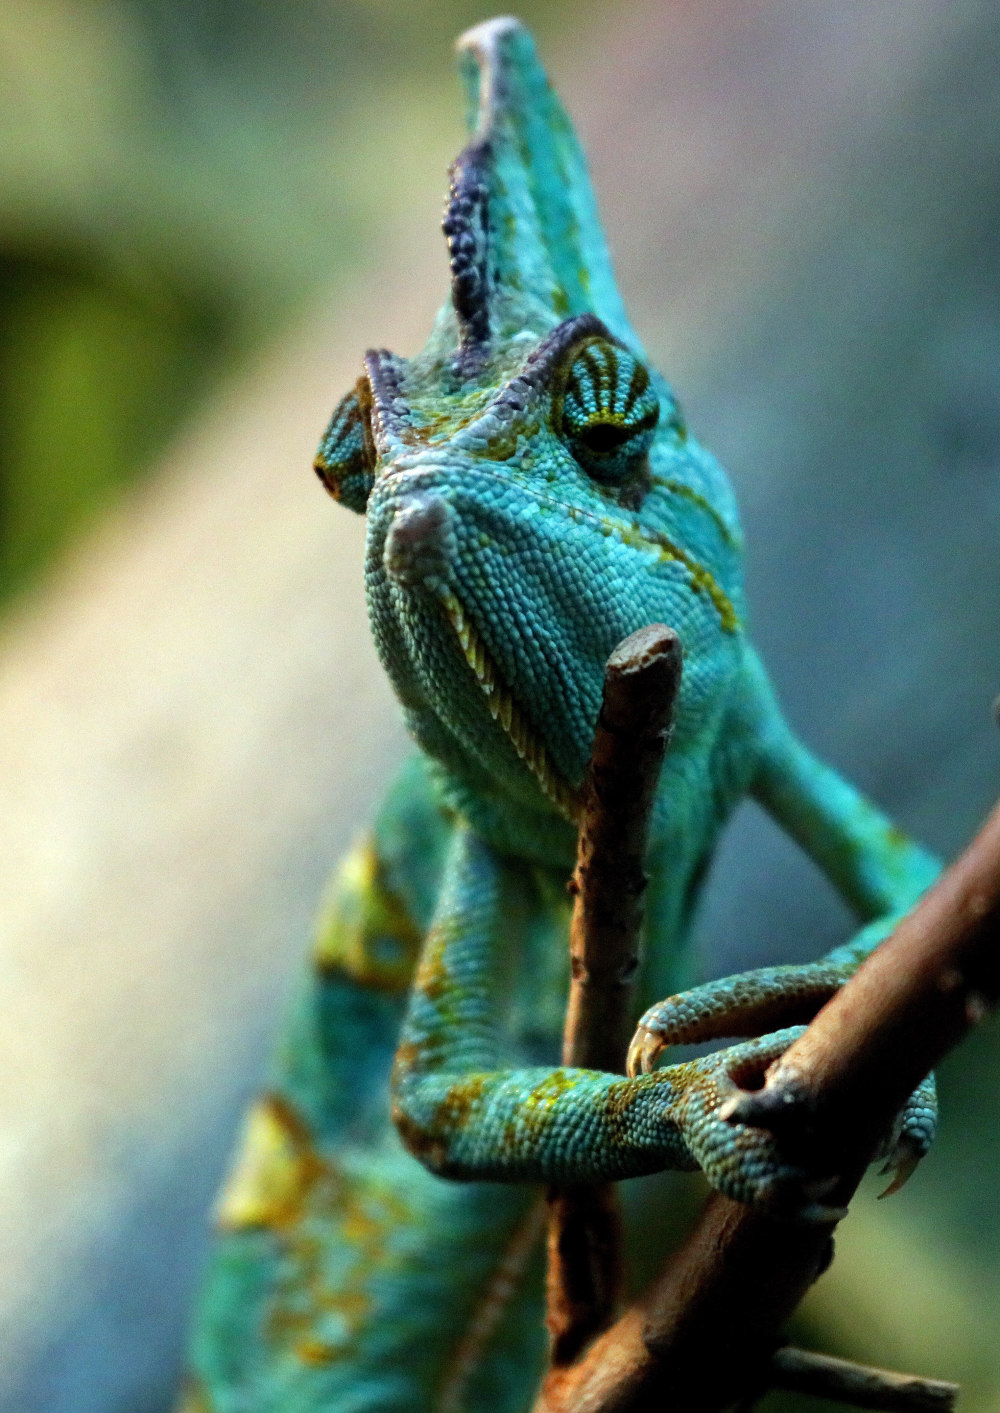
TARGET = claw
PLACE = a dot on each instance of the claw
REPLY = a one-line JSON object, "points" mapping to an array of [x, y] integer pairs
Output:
{"points": [[902, 1165], [729, 1108], [644, 1051]]}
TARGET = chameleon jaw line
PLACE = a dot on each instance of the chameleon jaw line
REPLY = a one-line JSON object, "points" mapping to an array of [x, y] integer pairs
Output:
{"points": [[506, 711], [418, 550]]}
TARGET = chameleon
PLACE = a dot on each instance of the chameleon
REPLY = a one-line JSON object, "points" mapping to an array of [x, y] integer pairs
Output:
{"points": [[533, 496]]}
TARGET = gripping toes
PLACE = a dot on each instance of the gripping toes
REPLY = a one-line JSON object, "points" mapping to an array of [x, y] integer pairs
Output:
{"points": [[743, 1162], [748, 1004]]}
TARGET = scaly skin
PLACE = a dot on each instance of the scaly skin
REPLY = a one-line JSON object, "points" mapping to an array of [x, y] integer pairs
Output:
{"points": [[532, 497]]}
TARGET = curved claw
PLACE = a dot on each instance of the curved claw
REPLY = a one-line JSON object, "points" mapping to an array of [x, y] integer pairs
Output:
{"points": [[643, 1052], [902, 1165], [715, 1112], [913, 1136]]}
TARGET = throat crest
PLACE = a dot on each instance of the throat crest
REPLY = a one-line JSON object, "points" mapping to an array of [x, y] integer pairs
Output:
{"points": [[504, 709]]}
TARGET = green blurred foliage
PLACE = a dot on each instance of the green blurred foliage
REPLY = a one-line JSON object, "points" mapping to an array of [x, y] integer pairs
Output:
{"points": [[179, 178], [93, 376]]}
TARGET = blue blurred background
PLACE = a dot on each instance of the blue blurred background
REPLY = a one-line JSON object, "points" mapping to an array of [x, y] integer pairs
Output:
{"points": [[207, 211]]}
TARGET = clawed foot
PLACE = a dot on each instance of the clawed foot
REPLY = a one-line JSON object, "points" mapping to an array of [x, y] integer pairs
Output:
{"points": [[739, 1160], [748, 1004], [748, 1163], [912, 1136]]}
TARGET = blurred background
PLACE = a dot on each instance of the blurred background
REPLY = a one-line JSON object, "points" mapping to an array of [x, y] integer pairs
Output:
{"points": [[208, 209]]}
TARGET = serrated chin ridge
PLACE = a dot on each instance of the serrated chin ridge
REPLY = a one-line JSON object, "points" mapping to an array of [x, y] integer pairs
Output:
{"points": [[505, 709]]}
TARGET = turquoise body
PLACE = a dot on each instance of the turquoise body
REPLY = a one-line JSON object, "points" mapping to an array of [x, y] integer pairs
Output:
{"points": [[532, 497]]}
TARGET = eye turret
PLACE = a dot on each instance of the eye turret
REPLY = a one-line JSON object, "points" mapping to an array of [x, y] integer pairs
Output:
{"points": [[345, 462], [605, 410]]}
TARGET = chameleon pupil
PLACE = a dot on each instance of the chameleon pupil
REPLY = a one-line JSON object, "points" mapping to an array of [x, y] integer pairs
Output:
{"points": [[604, 436]]}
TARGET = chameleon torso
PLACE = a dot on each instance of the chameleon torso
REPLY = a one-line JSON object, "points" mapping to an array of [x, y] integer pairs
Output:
{"points": [[532, 497]]}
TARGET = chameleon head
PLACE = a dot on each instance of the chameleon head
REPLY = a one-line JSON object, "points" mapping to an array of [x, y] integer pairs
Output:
{"points": [[531, 493]]}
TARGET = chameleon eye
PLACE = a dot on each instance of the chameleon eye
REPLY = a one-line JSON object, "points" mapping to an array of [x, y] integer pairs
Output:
{"points": [[606, 411], [345, 462]]}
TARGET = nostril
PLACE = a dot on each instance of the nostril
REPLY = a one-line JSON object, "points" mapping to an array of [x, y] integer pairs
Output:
{"points": [[420, 543]]}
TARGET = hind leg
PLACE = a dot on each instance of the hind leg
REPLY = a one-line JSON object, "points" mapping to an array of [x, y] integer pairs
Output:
{"points": [[373, 1286], [345, 1277]]}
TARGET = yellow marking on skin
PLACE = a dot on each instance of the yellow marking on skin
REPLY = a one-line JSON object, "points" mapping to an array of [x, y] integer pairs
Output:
{"points": [[536, 1113], [275, 1167], [315, 1353], [459, 1103], [434, 423], [505, 709], [679, 488], [364, 930], [436, 981], [314, 1210], [432, 977], [701, 578], [503, 445], [542, 1100]]}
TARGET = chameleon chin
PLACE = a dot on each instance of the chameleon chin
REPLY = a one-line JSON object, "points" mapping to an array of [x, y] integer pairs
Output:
{"points": [[532, 497]]}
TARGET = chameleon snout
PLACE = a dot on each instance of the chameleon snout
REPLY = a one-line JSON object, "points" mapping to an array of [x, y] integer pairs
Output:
{"points": [[420, 544]]}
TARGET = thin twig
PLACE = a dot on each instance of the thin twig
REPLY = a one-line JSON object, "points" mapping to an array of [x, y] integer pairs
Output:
{"points": [[802, 1371], [640, 687], [501, 1288]]}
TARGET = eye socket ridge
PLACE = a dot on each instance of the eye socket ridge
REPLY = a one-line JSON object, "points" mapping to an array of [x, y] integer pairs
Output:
{"points": [[605, 409]]}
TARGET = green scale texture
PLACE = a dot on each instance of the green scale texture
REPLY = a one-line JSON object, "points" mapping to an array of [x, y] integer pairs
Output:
{"points": [[532, 497]]}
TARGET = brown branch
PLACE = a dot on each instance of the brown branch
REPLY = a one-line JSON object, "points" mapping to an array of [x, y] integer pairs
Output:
{"points": [[705, 1334], [640, 686]]}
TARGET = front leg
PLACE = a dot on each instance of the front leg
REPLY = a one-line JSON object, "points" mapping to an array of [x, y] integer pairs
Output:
{"points": [[465, 1116], [877, 870]]}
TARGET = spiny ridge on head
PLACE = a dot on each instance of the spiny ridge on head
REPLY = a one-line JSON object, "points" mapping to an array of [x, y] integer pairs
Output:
{"points": [[466, 227], [524, 238]]}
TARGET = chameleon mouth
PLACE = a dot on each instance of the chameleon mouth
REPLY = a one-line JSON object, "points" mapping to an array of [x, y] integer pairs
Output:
{"points": [[507, 712]]}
